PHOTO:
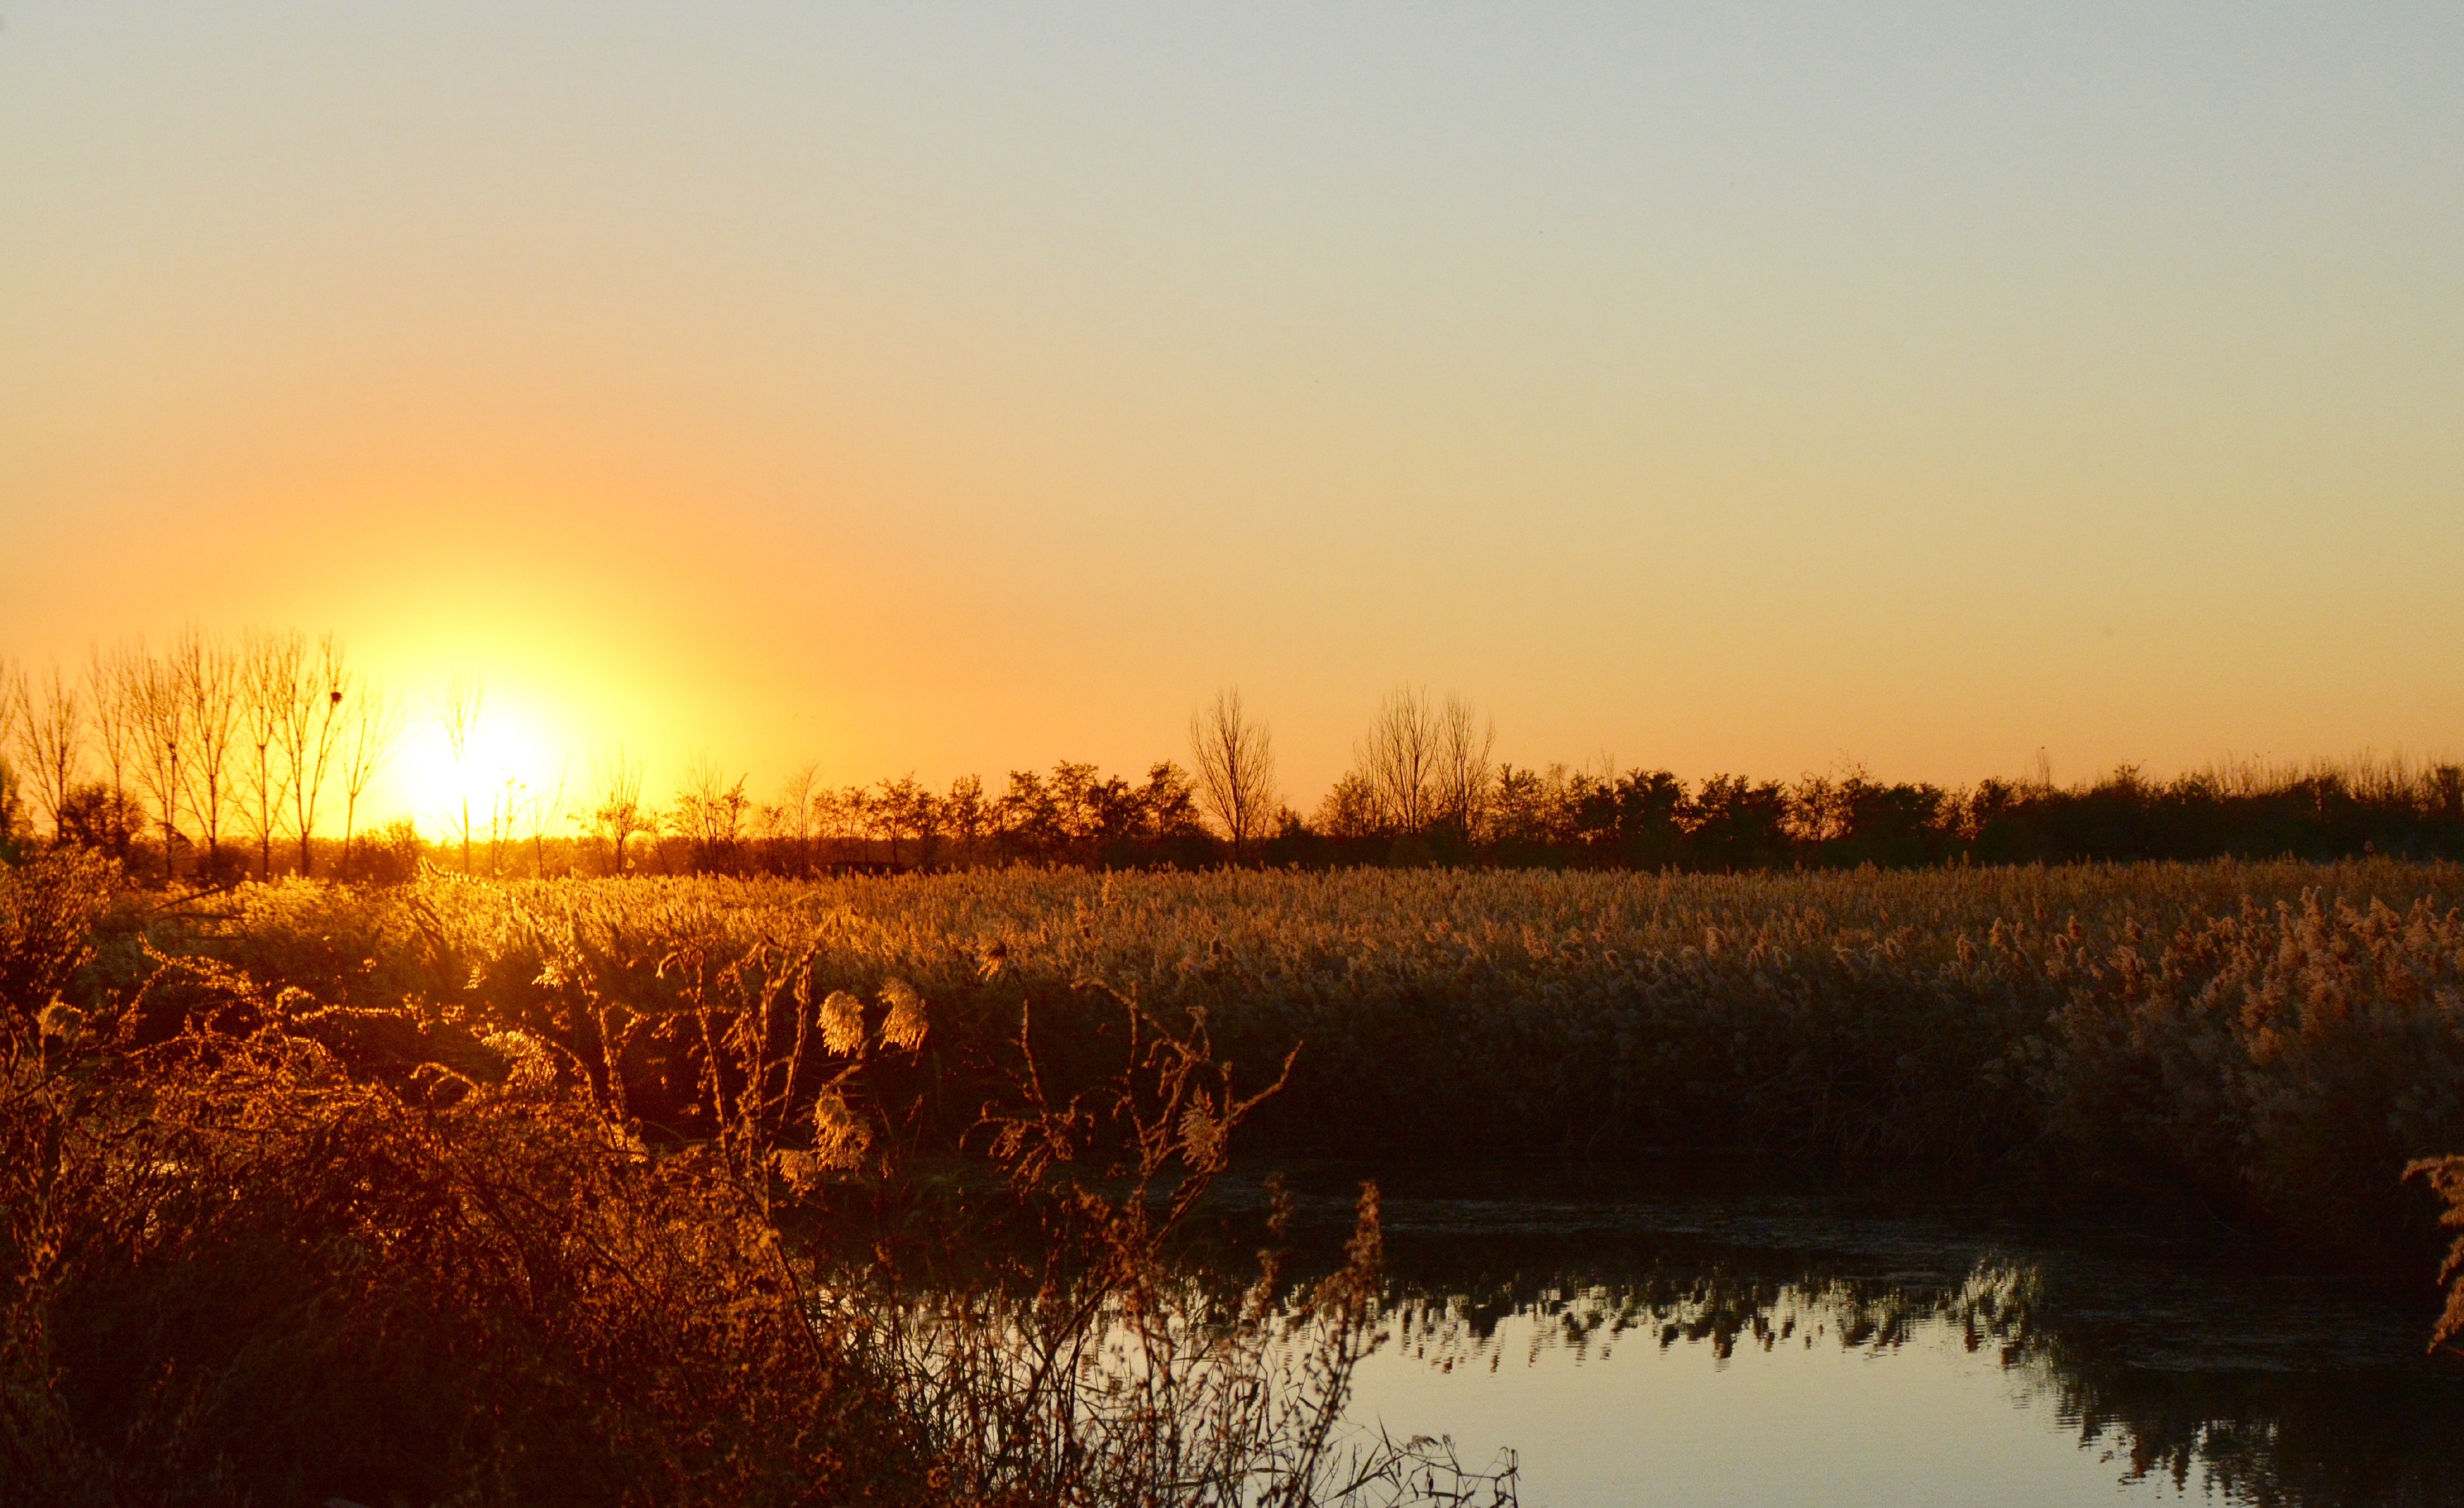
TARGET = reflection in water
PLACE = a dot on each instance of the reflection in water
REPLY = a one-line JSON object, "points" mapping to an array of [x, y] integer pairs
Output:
{"points": [[1744, 1351]]}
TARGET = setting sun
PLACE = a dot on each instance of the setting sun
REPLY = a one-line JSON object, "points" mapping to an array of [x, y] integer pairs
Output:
{"points": [[507, 759]]}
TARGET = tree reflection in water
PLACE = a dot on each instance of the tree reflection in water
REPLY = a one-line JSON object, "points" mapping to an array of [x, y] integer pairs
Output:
{"points": [[2246, 1387]]}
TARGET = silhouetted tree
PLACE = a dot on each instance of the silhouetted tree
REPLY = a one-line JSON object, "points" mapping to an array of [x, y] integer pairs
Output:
{"points": [[902, 809], [1235, 768], [311, 731], [457, 718], [372, 722], [711, 813], [159, 707], [1351, 808], [11, 802], [795, 824], [1526, 811], [1398, 762], [208, 680], [1739, 824], [1029, 818], [269, 670], [546, 810], [116, 736], [966, 814], [616, 811], [1459, 788], [1168, 804], [50, 725], [95, 817], [1642, 816]]}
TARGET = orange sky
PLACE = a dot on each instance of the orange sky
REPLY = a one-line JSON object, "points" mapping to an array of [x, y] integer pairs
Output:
{"points": [[950, 389]]}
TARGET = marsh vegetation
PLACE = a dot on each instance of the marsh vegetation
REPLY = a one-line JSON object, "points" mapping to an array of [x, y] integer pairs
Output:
{"points": [[751, 1189]]}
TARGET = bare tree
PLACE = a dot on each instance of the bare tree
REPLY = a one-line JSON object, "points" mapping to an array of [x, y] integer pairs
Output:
{"points": [[838, 818], [854, 820], [546, 810], [796, 807], [50, 725], [208, 676], [371, 726], [8, 798], [157, 707], [1398, 760], [710, 815], [1235, 768], [1464, 742], [966, 814], [311, 732], [269, 670], [116, 731], [910, 809], [616, 811], [505, 805], [457, 718]]}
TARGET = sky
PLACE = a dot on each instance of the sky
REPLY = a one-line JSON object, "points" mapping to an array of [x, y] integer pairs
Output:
{"points": [[936, 389]]}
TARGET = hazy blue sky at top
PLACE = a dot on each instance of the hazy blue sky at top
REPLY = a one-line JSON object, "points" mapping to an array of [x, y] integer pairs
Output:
{"points": [[948, 388]]}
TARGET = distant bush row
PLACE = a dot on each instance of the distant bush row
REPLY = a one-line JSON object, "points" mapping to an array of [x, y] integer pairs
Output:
{"points": [[1522, 818], [217, 759]]}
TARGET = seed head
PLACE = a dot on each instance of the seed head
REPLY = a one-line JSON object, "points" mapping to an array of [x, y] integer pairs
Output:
{"points": [[840, 1137], [905, 1027], [842, 1023]]}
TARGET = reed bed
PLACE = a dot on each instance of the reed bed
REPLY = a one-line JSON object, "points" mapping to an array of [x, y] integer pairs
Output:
{"points": [[2275, 1041]]}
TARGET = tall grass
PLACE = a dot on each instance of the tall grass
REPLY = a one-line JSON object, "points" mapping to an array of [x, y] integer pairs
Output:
{"points": [[2275, 1040]]}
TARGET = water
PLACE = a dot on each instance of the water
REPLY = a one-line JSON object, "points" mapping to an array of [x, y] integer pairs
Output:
{"points": [[1740, 1348]]}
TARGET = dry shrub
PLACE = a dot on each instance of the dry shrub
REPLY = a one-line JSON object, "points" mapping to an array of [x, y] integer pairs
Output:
{"points": [[264, 1276]]}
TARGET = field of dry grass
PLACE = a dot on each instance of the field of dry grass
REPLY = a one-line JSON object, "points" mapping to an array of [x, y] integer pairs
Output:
{"points": [[2277, 1040], [918, 1142]]}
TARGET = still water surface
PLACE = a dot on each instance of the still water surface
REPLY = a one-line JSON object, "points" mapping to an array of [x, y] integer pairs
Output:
{"points": [[1717, 1348]]}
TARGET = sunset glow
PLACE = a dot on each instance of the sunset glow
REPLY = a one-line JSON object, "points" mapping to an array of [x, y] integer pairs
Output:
{"points": [[507, 762], [1753, 711], [1768, 388]]}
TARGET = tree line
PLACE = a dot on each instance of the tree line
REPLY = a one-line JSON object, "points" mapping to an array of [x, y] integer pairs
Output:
{"points": [[220, 759], [194, 757]]}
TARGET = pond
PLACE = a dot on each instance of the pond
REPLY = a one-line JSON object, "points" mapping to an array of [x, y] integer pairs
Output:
{"points": [[1709, 1346]]}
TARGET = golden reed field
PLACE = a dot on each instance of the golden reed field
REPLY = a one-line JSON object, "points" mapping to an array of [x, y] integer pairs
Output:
{"points": [[774, 1191]]}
